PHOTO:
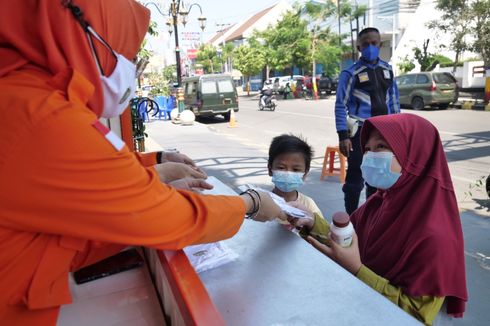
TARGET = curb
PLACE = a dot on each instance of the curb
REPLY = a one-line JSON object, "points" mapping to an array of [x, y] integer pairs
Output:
{"points": [[471, 105]]}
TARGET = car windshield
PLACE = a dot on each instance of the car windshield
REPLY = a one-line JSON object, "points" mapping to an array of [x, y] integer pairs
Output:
{"points": [[225, 86], [209, 87], [442, 79]]}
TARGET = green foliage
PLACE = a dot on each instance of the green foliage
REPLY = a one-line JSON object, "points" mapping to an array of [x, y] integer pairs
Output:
{"points": [[159, 82], [144, 52], [324, 43], [288, 43], [207, 56], [478, 184], [481, 29], [405, 65], [248, 59]]}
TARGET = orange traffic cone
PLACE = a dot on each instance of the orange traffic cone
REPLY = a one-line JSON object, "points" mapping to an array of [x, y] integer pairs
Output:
{"points": [[232, 123]]}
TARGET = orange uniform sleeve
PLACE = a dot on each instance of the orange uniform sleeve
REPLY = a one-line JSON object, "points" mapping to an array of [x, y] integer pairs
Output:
{"points": [[66, 178], [147, 159]]}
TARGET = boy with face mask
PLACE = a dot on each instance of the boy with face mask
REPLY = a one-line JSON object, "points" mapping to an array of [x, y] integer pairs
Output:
{"points": [[366, 89], [288, 165]]}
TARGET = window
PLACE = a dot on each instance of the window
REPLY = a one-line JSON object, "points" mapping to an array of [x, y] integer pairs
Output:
{"points": [[225, 86], [190, 88], [422, 79], [442, 79], [410, 79], [401, 80], [209, 87]]}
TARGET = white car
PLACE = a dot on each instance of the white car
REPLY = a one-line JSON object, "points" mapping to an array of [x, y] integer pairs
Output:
{"points": [[280, 82]]}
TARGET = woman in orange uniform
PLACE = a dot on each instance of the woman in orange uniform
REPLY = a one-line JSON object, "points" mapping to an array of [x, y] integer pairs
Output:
{"points": [[71, 192]]}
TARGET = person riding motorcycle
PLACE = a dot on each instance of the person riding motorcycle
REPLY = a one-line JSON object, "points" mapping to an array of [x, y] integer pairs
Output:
{"points": [[266, 93]]}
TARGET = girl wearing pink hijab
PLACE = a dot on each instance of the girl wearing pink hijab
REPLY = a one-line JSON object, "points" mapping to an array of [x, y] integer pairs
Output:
{"points": [[409, 242]]}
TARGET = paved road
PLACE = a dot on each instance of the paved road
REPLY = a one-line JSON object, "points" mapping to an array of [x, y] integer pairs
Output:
{"points": [[465, 135], [239, 155]]}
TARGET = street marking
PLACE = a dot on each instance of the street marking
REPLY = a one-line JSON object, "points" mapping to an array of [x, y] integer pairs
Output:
{"points": [[308, 115]]}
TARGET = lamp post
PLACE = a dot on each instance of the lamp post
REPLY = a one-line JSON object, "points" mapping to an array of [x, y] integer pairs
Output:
{"points": [[178, 10], [177, 7]]}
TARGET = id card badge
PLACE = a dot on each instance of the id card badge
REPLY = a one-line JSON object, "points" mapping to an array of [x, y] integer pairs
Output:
{"points": [[386, 74]]}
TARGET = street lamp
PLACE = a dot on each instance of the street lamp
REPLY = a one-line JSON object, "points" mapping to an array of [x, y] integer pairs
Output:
{"points": [[177, 7], [178, 10]]}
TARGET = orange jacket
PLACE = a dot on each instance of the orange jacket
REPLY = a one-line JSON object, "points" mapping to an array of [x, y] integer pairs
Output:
{"points": [[68, 197]]}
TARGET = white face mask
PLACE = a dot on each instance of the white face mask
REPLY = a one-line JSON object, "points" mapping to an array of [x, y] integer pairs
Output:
{"points": [[119, 87]]}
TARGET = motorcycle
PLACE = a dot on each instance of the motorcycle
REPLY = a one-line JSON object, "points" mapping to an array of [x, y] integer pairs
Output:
{"points": [[269, 102]]}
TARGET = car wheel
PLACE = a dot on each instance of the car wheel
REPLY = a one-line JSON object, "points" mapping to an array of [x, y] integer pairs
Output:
{"points": [[418, 103], [443, 106], [227, 116]]}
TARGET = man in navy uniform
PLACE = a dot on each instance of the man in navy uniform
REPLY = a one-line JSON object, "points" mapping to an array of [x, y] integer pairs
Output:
{"points": [[366, 89]]}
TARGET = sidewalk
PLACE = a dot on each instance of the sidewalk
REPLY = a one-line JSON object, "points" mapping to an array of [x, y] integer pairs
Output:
{"points": [[236, 164]]}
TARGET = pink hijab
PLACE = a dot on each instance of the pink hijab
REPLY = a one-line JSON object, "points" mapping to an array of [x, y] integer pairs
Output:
{"points": [[411, 233]]}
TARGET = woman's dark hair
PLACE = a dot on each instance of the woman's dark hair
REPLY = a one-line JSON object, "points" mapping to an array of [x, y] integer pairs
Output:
{"points": [[290, 144]]}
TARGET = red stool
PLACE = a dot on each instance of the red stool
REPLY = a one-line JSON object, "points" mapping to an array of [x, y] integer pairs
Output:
{"points": [[329, 160]]}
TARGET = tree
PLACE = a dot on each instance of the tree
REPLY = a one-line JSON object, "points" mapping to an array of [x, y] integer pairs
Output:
{"points": [[207, 55], [405, 65], [323, 47], [144, 52], [455, 21], [481, 45], [350, 14], [425, 59], [288, 43], [249, 61]]}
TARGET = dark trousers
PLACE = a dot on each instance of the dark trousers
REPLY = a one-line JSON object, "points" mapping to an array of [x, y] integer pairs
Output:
{"points": [[353, 180]]}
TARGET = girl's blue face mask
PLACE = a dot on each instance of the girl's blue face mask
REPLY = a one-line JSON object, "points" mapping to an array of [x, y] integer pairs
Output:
{"points": [[370, 53], [287, 181], [376, 169]]}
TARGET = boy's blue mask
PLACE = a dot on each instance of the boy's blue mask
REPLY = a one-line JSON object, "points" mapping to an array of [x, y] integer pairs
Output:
{"points": [[370, 53], [376, 170], [287, 181]]}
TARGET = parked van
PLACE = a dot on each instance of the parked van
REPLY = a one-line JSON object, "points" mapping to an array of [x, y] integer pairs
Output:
{"points": [[419, 90], [210, 95]]}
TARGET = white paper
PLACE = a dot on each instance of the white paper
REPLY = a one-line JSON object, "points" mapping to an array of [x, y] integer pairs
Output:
{"points": [[286, 208], [210, 255]]}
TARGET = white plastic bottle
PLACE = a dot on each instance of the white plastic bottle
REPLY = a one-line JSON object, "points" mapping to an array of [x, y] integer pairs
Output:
{"points": [[341, 230]]}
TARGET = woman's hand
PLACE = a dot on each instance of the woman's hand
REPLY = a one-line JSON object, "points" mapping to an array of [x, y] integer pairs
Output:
{"points": [[268, 208], [170, 171], [190, 184], [303, 222], [178, 158], [349, 258]]}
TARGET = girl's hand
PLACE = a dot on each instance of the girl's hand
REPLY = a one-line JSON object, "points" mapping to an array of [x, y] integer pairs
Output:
{"points": [[349, 258], [303, 222]]}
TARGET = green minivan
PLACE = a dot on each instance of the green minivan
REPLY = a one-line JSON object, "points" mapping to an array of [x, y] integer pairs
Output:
{"points": [[419, 90], [210, 95]]}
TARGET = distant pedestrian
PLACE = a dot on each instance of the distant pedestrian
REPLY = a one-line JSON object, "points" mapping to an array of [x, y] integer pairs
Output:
{"points": [[287, 90], [366, 89]]}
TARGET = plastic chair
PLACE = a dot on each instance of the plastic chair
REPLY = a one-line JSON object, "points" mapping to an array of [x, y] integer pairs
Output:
{"points": [[170, 105], [142, 110], [162, 104], [329, 160]]}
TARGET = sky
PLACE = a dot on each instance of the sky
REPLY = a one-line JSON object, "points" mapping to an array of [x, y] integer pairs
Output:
{"points": [[216, 12]]}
